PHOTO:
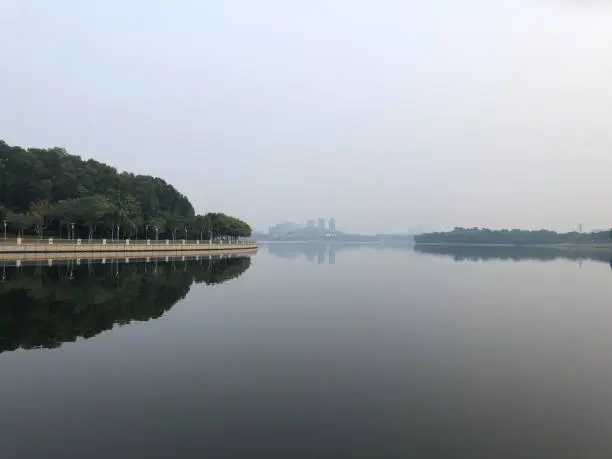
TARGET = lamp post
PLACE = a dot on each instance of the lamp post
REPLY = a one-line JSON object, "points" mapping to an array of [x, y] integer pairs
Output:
{"points": [[72, 232], [118, 234], [147, 232], [156, 234], [185, 233], [135, 233], [174, 234], [5, 222]]}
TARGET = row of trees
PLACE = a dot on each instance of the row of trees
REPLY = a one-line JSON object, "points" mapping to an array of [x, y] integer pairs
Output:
{"points": [[472, 253], [49, 192], [513, 237]]}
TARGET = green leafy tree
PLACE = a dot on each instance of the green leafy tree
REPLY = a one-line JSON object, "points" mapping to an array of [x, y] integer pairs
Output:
{"points": [[42, 214], [21, 221], [92, 211], [157, 226], [510, 237], [45, 189]]}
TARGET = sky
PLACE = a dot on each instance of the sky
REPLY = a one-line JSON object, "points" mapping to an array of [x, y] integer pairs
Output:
{"points": [[385, 115]]}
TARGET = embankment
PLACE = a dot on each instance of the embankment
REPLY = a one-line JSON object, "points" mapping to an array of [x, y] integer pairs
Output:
{"points": [[123, 248]]}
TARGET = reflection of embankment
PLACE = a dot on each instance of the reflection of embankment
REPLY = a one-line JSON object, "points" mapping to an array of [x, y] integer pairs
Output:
{"points": [[48, 306], [513, 253]]}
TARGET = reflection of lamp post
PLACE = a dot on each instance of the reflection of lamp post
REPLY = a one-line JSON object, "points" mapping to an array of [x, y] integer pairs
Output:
{"points": [[72, 233], [5, 222]]}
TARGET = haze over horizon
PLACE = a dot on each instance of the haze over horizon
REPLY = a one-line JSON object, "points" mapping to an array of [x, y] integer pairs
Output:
{"points": [[466, 113]]}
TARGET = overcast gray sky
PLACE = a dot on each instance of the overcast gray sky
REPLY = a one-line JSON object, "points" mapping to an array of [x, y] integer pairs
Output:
{"points": [[384, 114]]}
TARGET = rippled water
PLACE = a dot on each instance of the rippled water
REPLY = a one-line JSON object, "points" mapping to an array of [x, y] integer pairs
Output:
{"points": [[310, 351]]}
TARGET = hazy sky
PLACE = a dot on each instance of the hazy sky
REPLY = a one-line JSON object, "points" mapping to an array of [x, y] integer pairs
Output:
{"points": [[385, 115]]}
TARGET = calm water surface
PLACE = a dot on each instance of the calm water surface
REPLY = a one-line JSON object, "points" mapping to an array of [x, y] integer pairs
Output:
{"points": [[310, 351]]}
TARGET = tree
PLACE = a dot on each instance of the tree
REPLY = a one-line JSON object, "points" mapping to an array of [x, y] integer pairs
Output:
{"points": [[21, 222], [92, 211], [157, 224], [49, 186], [510, 237], [41, 213], [65, 214]]}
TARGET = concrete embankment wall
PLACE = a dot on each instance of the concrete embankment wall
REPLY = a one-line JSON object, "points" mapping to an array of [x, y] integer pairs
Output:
{"points": [[122, 248], [23, 258]]}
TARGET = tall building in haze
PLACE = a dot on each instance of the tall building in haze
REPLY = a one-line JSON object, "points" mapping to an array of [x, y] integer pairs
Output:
{"points": [[310, 223], [332, 225], [321, 223]]}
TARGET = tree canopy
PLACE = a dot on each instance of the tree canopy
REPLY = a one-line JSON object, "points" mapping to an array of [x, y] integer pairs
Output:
{"points": [[512, 237], [484, 253], [45, 191]]}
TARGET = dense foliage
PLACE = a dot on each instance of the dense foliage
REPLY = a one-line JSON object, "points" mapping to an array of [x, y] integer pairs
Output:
{"points": [[44, 191], [513, 237], [48, 306]]}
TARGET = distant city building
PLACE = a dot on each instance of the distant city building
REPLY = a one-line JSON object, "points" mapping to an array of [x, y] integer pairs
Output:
{"points": [[282, 229], [332, 225], [310, 223], [321, 223]]}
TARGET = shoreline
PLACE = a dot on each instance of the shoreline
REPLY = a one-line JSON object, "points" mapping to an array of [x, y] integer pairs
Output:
{"points": [[21, 259], [573, 246], [143, 248]]}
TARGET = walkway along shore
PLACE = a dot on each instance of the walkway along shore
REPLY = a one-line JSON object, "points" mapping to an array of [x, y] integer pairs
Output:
{"points": [[25, 259], [51, 247]]}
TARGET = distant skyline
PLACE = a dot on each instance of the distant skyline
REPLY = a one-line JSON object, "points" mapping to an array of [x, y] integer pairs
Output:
{"points": [[328, 223], [384, 115]]}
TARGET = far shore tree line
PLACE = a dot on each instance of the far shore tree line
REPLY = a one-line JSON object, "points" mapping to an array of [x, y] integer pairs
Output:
{"points": [[512, 237], [50, 193]]}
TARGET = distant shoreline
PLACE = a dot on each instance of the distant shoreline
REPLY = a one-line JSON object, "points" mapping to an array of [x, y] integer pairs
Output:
{"points": [[589, 246]]}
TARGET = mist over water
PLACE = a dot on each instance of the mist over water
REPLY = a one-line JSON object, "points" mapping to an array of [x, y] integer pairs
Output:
{"points": [[387, 351]]}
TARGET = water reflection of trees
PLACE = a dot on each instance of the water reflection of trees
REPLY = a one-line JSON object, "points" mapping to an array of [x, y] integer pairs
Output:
{"points": [[514, 253], [47, 306]]}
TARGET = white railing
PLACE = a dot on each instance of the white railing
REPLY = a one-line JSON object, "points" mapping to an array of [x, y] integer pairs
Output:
{"points": [[147, 242]]}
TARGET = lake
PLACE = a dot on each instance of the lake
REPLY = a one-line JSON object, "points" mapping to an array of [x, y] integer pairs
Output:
{"points": [[313, 351]]}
